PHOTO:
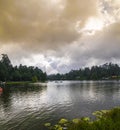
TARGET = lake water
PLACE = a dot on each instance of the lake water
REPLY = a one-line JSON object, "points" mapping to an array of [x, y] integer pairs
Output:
{"points": [[29, 107]]}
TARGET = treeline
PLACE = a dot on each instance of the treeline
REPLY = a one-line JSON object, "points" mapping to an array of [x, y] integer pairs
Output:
{"points": [[8, 72], [106, 71]]}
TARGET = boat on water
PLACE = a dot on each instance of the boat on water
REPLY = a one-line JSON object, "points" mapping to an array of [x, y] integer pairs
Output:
{"points": [[2, 83]]}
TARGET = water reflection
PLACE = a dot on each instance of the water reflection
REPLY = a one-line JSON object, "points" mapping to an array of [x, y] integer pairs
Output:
{"points": [[6, 98], [29, 107]]}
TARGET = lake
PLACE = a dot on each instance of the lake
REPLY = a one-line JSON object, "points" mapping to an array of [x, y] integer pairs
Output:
{"points": [[29, 107]]}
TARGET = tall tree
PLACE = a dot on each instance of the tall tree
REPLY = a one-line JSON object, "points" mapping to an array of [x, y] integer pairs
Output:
{"points": [[21, 73]]}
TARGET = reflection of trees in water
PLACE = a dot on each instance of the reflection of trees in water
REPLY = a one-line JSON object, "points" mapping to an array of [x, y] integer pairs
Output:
{"points": [[107, 88], [11, 106], [9, 91], [25, 87], [95, 89], [6, 97], [99, 86]]}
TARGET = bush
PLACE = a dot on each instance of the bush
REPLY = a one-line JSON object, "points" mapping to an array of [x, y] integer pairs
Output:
{"points": [[34, 79], [105, 120]]}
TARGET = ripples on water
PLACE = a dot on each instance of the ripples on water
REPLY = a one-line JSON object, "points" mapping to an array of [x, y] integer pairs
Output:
{"points": [[29, 107]]}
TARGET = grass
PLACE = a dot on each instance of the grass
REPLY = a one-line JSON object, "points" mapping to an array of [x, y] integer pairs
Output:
{"points": [[17, 83], [105, 120]]}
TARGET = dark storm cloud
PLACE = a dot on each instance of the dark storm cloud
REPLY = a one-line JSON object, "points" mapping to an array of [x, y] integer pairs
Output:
{"points": [[42, 23], [38, 27]]}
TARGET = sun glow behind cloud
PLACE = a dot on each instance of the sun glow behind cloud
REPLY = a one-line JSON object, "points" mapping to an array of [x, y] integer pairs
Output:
{"points": [[94, 24], [75, 31]]}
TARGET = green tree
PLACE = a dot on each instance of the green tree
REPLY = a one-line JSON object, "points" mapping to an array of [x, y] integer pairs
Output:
{"points": [[34, 79], [21, 73]]}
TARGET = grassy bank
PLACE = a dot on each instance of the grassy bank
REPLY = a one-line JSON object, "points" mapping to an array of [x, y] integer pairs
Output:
{"points": [[17, 83], [105, 120]]}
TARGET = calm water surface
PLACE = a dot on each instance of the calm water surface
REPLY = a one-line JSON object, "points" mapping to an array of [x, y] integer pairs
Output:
{"points": [[29, 107]]}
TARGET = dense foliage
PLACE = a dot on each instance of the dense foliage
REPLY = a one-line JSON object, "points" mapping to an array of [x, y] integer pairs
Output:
{"points": [[106, 120], [8, 72], [106, 71]]}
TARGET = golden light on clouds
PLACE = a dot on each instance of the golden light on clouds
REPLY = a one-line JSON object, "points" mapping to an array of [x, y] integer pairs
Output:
{"points": [[94, 24], [36, 27], [42, 21]]}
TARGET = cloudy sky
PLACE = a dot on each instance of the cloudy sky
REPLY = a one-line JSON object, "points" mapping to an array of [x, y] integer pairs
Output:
{"points": [[60, 35]]}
